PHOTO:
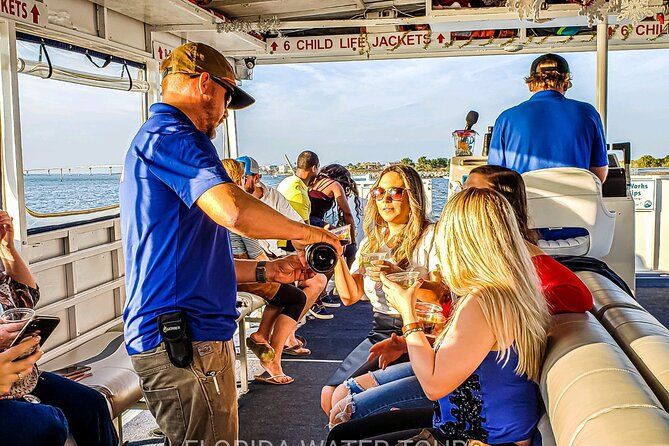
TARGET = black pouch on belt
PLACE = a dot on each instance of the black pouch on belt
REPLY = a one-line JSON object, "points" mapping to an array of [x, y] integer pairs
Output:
{"points": [[173, 328]]}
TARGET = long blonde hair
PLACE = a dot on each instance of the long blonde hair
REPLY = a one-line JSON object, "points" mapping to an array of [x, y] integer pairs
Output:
{"points": [[376, 227], [234, 169], [482, 251]]}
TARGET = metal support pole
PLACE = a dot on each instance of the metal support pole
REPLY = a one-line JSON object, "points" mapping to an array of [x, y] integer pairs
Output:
{"points": [[13, 197], [602, 69], [154, 94], [231, 149]]}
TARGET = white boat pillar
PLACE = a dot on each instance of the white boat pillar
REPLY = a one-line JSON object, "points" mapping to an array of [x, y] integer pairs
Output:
{"points": [[13, 197], [231, 148], [602, 69]]}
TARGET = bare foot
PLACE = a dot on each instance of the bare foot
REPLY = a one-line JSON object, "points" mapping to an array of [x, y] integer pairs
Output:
{"points": [[274, 368], [292, 340], [258, 338]]}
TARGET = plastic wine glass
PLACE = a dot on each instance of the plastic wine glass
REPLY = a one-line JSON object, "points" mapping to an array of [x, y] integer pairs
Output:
{"points": [[343, 233], [432, 317], [405, 279]]}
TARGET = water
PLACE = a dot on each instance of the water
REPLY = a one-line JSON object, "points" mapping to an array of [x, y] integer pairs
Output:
{"points": [[48, 193]]}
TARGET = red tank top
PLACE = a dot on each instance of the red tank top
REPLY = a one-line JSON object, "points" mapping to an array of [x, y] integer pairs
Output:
{"points": [[563, 290]]}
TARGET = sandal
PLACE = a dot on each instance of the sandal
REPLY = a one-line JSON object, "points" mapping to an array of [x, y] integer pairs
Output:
{"points": [[296, 350], [301, 340], [266, 378], [262, 350]]}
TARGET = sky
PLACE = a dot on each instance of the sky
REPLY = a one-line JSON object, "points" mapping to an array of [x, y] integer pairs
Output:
{"points": [[386, 110], [348, 111]]}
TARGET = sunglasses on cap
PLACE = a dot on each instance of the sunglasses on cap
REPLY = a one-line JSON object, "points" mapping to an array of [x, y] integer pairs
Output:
{"points": [[395, 193]]}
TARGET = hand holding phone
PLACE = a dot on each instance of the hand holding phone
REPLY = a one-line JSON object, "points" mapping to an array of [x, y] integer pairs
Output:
{"points": [[11, 364], [8, 332], [41, 326]]}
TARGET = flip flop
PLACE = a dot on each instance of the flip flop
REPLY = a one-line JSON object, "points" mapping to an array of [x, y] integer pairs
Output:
{"points": [[266, 378], [262, 350], [301, 340], [296, 350]]}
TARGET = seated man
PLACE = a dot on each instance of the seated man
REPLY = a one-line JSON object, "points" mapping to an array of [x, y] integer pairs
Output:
{"points": [[271, 197], [285, 304], [549, 130]]}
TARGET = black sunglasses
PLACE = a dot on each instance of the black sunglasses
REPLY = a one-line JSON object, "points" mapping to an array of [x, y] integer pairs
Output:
{"points": [[228, 90], [395, 193]]}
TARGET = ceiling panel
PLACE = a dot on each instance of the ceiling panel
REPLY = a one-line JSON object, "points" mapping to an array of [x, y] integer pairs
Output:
{"points": [[296, 9]]}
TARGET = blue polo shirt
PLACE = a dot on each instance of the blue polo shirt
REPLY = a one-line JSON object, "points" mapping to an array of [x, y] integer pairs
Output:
{"points": [[548, 130], [176, 257]]}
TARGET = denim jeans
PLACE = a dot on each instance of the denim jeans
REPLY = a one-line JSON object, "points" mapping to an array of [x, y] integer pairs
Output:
{"points": [[398, 388], [66, 407], [356, 362]]}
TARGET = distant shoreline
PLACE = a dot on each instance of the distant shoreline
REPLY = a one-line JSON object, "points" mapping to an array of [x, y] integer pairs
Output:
{"points": [[435, 173]]}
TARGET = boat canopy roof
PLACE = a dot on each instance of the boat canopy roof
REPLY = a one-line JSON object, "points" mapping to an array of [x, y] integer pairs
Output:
{"points": [[331, 30], [289, 31]]}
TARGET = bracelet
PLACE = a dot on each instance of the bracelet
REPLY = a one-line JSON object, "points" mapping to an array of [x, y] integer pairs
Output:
{"points": [[413, 330], [409, 327]]}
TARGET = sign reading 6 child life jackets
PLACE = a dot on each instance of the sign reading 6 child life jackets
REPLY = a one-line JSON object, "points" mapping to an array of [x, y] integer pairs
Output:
{"points": [[642, 30], [643, 192], [26, 11]]}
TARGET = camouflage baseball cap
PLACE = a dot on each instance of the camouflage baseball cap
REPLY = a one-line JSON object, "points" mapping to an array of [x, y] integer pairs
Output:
{"points": [[197, 58]]}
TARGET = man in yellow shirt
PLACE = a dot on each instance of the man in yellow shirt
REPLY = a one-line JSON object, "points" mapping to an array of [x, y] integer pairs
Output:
{"points": [[296, 187]]}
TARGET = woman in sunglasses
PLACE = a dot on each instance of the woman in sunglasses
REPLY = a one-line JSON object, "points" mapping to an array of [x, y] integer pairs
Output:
{"points": [[395, 224]]}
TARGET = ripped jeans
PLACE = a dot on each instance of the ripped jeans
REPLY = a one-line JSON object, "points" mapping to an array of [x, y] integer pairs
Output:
{"points": [[398, 388]]}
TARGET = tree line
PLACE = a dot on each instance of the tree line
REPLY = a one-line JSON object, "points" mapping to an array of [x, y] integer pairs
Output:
{"points": [[425, 163], [651, 161]]}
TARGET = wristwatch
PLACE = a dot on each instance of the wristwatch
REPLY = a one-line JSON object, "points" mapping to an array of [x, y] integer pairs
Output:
{"points": [[261, 272]]}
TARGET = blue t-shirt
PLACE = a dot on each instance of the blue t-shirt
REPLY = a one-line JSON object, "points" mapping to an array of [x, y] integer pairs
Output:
{"points": [[176, 257], [548, 130]]}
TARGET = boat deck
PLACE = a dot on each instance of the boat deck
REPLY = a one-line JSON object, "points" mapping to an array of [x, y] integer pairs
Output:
{"points": [[291, 415]]}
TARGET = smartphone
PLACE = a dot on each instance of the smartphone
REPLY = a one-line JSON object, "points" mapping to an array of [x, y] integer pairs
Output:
{"points": [[39, 325]]}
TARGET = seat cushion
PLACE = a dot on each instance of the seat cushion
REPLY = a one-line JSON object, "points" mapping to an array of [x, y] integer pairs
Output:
{"points": [[604, 300], [592, 391], [544, 435], [111, 369], [596, 282], [605, 294], [646, 341], [247, 303], [577, 246]]}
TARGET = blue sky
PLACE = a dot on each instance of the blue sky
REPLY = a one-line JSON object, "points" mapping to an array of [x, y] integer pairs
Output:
{"points": [[385, 110], [347, 111]]}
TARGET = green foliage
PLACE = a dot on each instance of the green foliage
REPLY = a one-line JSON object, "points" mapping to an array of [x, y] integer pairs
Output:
{"points": [[422, 164], [651, 161], [425, 163]]}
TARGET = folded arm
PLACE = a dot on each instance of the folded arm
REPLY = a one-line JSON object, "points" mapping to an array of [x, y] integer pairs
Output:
{"points": [[464, 347]]}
